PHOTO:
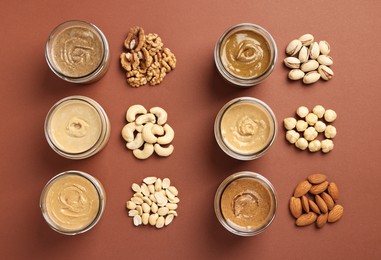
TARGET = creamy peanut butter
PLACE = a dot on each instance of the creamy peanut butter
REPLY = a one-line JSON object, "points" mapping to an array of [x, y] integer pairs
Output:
{"points": [[247, 128], [246, 54], [77, 51], [72, 202], [75, 126], [247, 204]]}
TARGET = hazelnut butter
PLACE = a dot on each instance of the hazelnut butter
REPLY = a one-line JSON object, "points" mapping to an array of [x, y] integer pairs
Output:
{"points": [[77, 127], [245, 54], [72, 202], [246, 203], [245, 128], [78, 52]]}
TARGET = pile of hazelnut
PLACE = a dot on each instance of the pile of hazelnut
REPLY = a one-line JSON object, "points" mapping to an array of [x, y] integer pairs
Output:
{"points": [[303, 132]]}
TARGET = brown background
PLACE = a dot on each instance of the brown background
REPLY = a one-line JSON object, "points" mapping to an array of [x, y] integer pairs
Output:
{"points": [[192, 94]]}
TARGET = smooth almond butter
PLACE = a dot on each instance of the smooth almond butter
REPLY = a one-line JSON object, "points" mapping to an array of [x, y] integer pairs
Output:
{"points": [[319, 188], [321, 204], [302, 188], [306, 219], [305, 204], [335, 214], [321, 220], [328, 200], [333, 191], [314, 207], [295, 207], [317, 178]]}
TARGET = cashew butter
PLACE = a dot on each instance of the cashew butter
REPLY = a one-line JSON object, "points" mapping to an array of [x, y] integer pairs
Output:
{"points": [[72, 202], [77, 127]]}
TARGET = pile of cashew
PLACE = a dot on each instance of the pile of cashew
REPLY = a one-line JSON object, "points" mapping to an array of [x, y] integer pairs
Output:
{"points": [[147, 132]]}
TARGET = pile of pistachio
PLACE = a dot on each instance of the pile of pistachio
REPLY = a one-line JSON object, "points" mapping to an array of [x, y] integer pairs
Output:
{"points": [[309, 60]]}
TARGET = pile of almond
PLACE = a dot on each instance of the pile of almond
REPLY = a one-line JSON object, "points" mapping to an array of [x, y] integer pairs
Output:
{"points": [[315, 200]]}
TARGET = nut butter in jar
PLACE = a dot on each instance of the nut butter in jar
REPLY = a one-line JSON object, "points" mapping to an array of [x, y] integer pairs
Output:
{"points": [[77, 127], [72, 202], [78, 52], [245, 203], [245, 128], [245, 54]]}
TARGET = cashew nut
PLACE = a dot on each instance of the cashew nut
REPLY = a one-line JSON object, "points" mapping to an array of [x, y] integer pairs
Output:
{"points": [[157, 130], [145, 153], [148, 136], [136, 143], [147, 118], [168, 136], [163, 151], [133, 111], [128, 132], [161, 115]]}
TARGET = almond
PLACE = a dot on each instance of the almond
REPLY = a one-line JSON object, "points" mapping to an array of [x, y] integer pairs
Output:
{"points": [[317, 178], [333, 191], [319, 188], [320, 202], [305, 204], [328, 200], [306, 219], [314, 207], [321, 220], [302, 188], [335, 214], [295, 207]]}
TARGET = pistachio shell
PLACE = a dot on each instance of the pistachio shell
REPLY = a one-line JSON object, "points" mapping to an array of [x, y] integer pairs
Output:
{"points": [[314, 51], [296, 74], [293, 47], [325, 72], [292, 62], [306, 39], [303, 54], [325, 48], [309, 66], [311, 77], [325, 60]]}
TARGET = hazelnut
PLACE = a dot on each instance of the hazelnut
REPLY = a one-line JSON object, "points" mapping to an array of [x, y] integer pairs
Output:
{"points": [[289, 123], [320, 126], [302, 111], [326, 145], [319, 111], [292, 136], [302, 143], [330, 131], [314, 146], [311, 119], [301, 125], [310, 133], [330, 115]]}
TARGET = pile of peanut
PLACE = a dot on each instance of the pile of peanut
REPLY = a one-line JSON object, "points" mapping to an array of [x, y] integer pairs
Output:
{"points": [[146, 60], [310, 125], [147, 132], [315, 200], [155, 202]]}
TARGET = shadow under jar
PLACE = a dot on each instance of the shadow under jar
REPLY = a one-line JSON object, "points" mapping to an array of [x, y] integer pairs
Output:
{"points": [[245, 54], [72, 202], [245, 128], [77, 127], [77, 52], [245, 203]]}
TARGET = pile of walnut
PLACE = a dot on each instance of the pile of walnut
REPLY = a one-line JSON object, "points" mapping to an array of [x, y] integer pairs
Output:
{"points": [[146, 60], [148, 130], [311, 124], [322, 208]]}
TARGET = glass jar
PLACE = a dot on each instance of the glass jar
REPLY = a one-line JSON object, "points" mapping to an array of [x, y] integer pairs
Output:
{"points": [[77, 127], [245, 128], [245, 54], [245, 203], [77, 52], [72, 202]]}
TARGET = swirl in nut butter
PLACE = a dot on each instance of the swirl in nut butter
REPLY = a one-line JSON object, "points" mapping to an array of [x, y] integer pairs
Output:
{"points": [[72, 202], [246, 128], [246, 54], [77, 51]]}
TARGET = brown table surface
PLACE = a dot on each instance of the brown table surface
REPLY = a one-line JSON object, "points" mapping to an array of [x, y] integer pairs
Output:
{"points": [[192, 94]]}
